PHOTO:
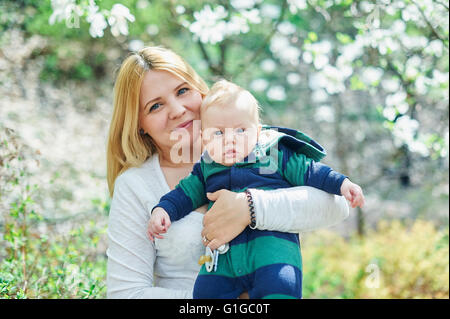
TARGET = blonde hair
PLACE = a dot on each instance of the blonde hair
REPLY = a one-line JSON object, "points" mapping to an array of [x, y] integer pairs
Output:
{"points": [[126, 147], [225, 94]]}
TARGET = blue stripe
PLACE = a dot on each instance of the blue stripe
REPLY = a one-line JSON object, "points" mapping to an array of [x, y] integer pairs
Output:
{"points": [[197, 171], [277, 279], [250, 234], [176, 203], [323, 177], [272, 279]]}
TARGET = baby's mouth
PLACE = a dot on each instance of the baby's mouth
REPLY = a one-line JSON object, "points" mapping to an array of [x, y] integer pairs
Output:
{"points": [[230, 152]]}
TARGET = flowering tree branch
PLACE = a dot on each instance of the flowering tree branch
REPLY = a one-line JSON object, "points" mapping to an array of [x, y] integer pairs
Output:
{"points": [[261, 48]]}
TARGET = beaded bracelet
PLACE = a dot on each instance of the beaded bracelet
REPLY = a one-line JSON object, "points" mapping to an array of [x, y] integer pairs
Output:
{"points": [[252, 209]]}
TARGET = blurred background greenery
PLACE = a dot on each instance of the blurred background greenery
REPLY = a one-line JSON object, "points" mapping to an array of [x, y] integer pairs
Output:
{"points": [[366, 79]]}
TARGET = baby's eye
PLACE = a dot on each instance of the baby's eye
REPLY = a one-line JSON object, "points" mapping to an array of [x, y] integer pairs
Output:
{"points": [[240, 130], [217, 133]]}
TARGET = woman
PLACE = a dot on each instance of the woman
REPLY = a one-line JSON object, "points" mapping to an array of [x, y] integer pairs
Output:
{"points": [[157, 98]]}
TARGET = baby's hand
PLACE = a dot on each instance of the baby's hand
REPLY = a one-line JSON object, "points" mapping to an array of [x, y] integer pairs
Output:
{"points": [[353, 193], [159, 223]]}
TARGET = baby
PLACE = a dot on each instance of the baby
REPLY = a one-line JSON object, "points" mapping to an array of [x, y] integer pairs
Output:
{"points": [[239, 154]]}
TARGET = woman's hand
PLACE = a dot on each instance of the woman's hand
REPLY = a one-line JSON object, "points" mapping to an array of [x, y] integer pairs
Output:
{"points": [[226, 219]]}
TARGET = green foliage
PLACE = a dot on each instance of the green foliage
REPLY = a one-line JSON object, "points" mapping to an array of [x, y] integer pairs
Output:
{"points": [[394, 260], [43, 264]]}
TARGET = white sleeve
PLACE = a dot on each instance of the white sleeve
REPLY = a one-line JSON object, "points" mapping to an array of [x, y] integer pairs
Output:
{"points": [[297, 209], [131, 255]]}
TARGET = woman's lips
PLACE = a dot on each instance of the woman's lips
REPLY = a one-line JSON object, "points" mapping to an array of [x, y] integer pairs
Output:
{"points": [[184, 125]]}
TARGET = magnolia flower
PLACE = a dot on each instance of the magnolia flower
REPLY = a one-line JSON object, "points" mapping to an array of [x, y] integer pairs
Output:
{"points": [[118, 19]]}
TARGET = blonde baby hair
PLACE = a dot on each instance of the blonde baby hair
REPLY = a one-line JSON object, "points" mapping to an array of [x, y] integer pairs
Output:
{"points": [[225, 94]]}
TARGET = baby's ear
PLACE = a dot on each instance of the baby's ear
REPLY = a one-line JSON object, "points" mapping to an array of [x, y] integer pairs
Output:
{"points": [[259, 128]]}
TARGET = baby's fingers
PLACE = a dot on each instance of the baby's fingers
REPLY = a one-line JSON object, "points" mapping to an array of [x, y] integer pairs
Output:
{"points": [[358, 200], [348, 195]]}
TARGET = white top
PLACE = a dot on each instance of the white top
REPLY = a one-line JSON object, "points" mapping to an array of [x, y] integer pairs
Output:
{"points": [[167, 268]]}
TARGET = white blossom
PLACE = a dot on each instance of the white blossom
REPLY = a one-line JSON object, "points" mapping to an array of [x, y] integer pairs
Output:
{"points": [[276, 93], [295, 5], [397, 100], [389, 113], [209, 25], [435, 47], [97, 21], [282, 49], [330, 78], [307, 57], [135, 45], [324, 113], [293, 78], [252, 16], [118, 19], [320, 61], [371, 75], [268, 65], [142, 4], [404, 130], [152, 29], [244, 4], [61, 10], [270, 11], [319, 96], [259, 85], [286, 28], [237, 25], [180, 9], [391, 84]]}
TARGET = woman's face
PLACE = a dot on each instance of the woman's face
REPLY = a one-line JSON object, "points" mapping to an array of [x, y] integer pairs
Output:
{"points": [[168, 107]]}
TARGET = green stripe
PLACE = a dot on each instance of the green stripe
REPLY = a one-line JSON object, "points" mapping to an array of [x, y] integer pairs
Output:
{"points": [[278, 296], [296, 168], [194, 189], [246, 259]]}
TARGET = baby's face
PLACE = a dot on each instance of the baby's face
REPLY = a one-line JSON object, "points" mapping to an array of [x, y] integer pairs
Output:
{"points": [[229, 134]]}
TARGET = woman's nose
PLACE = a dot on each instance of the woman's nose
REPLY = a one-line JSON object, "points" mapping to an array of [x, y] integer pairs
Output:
{"points": [[176, 109]]}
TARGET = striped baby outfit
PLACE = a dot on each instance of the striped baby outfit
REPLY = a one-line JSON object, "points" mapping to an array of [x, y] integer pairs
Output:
{"points": [[267, 264]]}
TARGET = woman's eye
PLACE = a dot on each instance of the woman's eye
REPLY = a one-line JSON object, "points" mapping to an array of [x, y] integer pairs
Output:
{"points": [[182, 91], [240, 130], [154, 107], [217, 133]]}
